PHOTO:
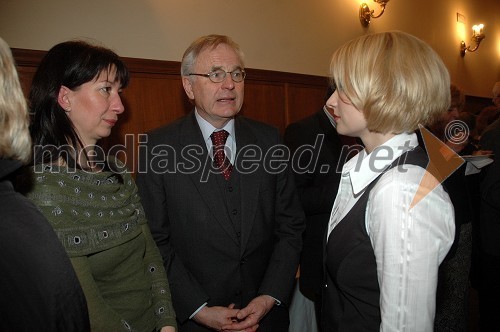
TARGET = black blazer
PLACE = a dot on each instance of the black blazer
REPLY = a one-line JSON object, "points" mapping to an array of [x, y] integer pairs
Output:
{"points": [[490, 194], [317, 175], [205, 259], [39, 290]]}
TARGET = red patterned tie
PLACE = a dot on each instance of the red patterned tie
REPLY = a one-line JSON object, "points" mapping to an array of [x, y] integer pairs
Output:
{"points": [[220, 160]]}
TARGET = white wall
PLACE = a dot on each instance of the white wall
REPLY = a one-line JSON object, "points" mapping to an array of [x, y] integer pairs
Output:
{"points": [[285, 35]]}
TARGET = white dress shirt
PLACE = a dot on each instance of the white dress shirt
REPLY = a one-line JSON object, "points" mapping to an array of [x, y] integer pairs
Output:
{"points": [[409, 243]]}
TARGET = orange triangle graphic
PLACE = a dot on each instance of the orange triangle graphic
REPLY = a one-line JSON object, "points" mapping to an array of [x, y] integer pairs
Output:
{"points": [[443, 161]]}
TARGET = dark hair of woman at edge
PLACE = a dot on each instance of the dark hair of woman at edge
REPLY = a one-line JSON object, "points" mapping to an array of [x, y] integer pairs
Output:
{"points": [[54, 137]]}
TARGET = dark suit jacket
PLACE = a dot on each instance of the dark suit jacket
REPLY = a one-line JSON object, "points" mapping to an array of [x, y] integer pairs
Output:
{"points": [[490, 194], [39, 290], [317, 174], [206, 260]]}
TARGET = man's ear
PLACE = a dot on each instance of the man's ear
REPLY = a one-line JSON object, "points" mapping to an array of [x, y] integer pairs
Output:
{"points": [[63, 98], [188, 87]]}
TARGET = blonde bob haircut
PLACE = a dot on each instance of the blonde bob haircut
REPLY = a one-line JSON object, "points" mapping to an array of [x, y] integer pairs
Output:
{"points": [[15, 141], [394, 78]]}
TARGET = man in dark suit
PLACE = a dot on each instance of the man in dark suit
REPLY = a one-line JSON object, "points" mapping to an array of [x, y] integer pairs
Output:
{"points": [[318, 157], [230, 234]]}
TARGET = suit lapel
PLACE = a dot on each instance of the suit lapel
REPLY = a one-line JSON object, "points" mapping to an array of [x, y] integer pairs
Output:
{"points": [[208, 190], [249, 182]]}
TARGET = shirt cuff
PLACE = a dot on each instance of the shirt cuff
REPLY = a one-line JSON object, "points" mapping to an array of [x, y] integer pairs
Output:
{"points": [[276, 301], [197, 310]]}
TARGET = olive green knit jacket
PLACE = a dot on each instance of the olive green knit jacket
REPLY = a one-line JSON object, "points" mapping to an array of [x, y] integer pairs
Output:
{"points": [[100, 221]]}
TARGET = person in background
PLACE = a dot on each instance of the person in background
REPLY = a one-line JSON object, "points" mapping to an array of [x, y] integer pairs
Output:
{"points": [[453, 280], [384, 241], [489, 229], [485, 118], [488, 115], [221, 202], [496, 94], [468, 144], [39, 289], [89, 198], [316, 149]]}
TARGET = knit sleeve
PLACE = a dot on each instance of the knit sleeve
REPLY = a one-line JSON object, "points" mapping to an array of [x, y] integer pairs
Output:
{"points": [[162, 301], [153, 263]]}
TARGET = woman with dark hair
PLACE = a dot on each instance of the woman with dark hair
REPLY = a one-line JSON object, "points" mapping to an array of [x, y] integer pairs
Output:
{"points": [[91, 200], [65, 69]]}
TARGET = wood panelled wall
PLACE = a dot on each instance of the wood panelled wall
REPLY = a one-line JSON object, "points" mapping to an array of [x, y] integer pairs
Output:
{"points": [[155, 97]]}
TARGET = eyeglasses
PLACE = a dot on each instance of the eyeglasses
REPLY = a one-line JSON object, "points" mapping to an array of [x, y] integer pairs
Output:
{"points": [[217, 76], [328, 111]]}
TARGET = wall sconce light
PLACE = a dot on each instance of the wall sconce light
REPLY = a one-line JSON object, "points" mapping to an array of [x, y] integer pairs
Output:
{"points": [[477, 37], [365, 13]]}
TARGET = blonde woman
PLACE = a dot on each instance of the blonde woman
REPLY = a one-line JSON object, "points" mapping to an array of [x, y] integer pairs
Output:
{"points": [[383, 250], [39, 289]]}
